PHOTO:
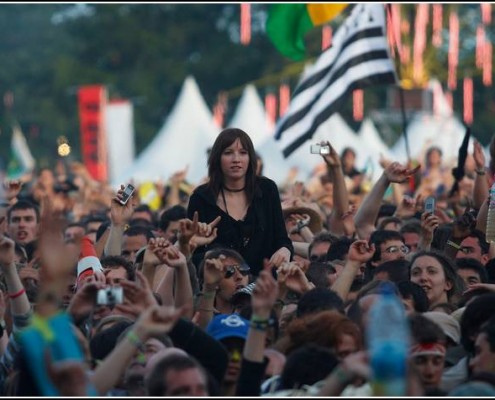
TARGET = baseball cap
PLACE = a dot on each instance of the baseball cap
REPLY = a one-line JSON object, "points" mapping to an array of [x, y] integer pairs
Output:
{"points": [[225, 326], [447, 322]]}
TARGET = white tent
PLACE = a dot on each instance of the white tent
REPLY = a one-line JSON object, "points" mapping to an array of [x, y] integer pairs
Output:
{"points": [[442, 129], [339, 134], [182, 142], [250, 116], [426, 130], [373, 143], [119, 119]]}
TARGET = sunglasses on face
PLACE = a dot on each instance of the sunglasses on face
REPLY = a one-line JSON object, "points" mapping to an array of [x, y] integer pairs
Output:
{"points": [[230, 270], [396, 249]]}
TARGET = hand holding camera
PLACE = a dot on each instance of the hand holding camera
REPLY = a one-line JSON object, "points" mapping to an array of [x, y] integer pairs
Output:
{"points": [[110, 296], [329, 154]]}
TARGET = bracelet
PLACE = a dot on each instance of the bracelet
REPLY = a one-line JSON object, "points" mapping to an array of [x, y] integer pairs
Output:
{"points": [[259, 325], [19, 293], [453, 244], [480, 171], [134, 339], [255, 318]]}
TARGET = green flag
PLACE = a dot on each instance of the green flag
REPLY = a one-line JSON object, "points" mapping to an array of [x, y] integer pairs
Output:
{"points": [[288, 23]]}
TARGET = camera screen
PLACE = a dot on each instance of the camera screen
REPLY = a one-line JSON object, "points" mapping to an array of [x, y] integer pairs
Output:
{"points": [[128, 190]]}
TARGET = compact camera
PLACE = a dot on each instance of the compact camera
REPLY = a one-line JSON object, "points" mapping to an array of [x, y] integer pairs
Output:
{"points": [[110, 296], [126, 194], [319, 149]]}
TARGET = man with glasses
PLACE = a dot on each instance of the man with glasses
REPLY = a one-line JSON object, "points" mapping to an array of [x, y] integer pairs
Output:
{"points": [[223, 272], [389, 246]]}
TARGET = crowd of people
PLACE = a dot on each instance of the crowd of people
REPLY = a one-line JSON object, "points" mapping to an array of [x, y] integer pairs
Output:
{"points": [[242, 287]]}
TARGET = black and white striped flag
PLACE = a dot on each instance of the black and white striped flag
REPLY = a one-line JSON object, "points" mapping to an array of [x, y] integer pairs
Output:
{"points": [[359, 57]]}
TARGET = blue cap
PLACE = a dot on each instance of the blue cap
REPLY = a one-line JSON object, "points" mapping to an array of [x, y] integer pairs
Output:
{"points": [[228, 325]]}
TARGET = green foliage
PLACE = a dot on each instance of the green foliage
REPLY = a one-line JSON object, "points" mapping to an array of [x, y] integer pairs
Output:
{"points": [[143, 52]]}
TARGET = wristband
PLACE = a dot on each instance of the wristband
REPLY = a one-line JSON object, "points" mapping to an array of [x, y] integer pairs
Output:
{"points": [[255, 318], [19, 293], [453, 244], [259, 325], [342, 376], [480, 171], [134, 339]]}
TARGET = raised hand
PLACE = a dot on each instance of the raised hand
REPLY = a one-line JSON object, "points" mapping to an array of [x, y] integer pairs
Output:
{"points": [[407, 207], [7, 253], [12, 189], [281, 256], [332, 159], [478, 155], [120, 214], [174, 258], [206, 234], [213, 272], [156, 320], [84, 300], [361, 251], [153, 255], [179, 176], [138, 296], [292, 277], [188, 228], [429, 222], [396, 172], [265, 294]]}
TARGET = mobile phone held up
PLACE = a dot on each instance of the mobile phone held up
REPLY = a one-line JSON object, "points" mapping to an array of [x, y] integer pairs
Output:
{"points": [[126, 194], [430, 205], [319, 149]]}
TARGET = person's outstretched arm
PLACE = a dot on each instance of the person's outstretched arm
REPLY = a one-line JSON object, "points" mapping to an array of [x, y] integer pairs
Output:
{"points": [[368, 212], [340, 192], [119, 215], [253, 366]]}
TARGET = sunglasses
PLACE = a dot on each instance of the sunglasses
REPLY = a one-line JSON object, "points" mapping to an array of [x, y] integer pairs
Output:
{"points": [[396, 249], [230, 270]]}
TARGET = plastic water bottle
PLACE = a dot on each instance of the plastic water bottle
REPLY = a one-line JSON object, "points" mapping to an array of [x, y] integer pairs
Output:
{"points": [[490, 219], [388, 340]]}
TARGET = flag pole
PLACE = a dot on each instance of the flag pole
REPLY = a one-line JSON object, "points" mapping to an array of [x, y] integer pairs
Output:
{"points": [[401, 90]]}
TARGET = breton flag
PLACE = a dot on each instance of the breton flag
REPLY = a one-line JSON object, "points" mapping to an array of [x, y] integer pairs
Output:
{"points": [[359, 57]]}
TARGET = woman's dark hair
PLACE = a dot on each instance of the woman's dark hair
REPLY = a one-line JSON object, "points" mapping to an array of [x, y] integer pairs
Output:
{"points": [[477, 312], [224, 140], [448, 268], [411, 290], [307, 365]]}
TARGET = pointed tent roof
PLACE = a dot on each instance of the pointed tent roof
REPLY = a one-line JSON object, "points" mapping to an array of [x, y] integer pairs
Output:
{"points": [[250, 116], [182, 141]]}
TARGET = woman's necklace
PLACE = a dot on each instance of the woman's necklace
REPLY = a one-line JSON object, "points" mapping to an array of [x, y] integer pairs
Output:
{"points": [[234, 190]]}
